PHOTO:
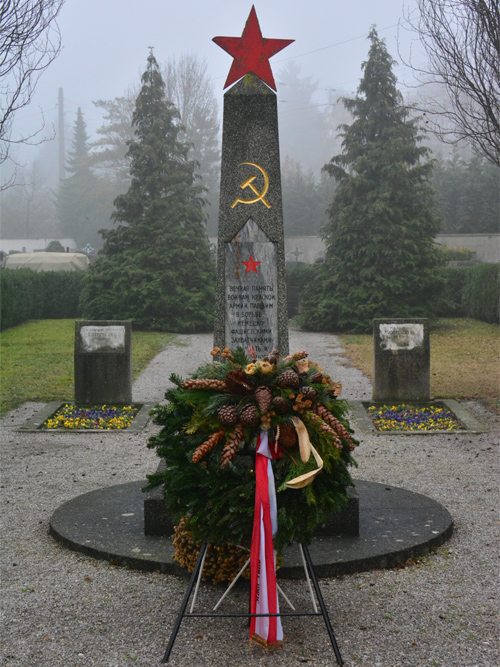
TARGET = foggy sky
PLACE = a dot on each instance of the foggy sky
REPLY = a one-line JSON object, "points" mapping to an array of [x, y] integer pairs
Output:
{"points": [[105, 46]]}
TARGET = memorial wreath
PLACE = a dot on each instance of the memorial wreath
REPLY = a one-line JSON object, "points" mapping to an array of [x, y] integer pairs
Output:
{"points": [[217, 416]]}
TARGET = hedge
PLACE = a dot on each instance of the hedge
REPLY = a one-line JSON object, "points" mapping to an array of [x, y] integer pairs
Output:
{"points": [[453, 280], [470, 291], [466, 291], [29, 295], [480, 297]]}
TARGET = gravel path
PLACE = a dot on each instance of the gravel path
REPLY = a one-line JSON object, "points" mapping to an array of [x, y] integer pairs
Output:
{"points": [[64, 609]]}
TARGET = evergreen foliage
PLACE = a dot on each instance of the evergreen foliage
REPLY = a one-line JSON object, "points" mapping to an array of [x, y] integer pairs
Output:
{"points": [[80, 207], [467, 195], [453, 280], [54, 246], [111, 154], [21, 295], [381, 260], [155, 267], [189, 88], [318, 310], [30, 295], [480, 295], [305, 199], [219, 500]]}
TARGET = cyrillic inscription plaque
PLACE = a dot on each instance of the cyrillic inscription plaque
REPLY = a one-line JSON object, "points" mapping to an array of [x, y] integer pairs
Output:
{"points": [[251, 295]]}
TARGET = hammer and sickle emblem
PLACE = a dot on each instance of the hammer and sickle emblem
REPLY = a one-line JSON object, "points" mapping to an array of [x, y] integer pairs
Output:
{"points": [[249, 184]]}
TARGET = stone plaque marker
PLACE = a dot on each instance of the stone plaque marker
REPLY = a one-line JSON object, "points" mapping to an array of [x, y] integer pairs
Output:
{"points": [[401, 360], [251, 306], [103, 362]]}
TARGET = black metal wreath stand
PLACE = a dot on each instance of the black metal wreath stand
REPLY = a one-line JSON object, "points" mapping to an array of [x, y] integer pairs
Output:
{"points": [[195, 579]]}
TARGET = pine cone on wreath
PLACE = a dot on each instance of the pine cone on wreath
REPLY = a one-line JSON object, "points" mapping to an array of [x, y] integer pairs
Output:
{"points": [[316, 378], [335, 389], [237, 382], [287, 437], [280, 405], [326, 428], [289, 379], [231, 446], [207, 383], [208, 445], [263, 396], [309, 393], [228, 415], [250, 416], [337, 426]]}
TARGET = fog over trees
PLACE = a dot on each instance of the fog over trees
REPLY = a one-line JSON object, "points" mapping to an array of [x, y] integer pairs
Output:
{"points": [[309, 117], [28, 211], [188, 86], [29, 41], [462, 41], [82, 204], [109, 151]]}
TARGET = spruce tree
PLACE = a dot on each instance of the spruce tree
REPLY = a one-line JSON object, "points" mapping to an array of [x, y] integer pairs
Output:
{"points": [[155, 267], [80, 207], [381, 260]]}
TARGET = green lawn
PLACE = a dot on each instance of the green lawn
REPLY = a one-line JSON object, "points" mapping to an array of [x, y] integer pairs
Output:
{"points": [[36, 362], [465, 356]]}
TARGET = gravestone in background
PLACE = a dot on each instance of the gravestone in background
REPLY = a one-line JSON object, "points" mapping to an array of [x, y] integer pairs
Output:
{"points": [[103, 362], [401, 360], [251, 305]]}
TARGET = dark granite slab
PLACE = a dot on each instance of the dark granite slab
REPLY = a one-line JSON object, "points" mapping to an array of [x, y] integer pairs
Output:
{"points": [[157, 521], [251, 193], [401, 360], [103, 362], [395, 525]]}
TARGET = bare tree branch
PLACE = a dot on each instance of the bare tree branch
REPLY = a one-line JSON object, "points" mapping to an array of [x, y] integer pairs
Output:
{"points": [[462, 42], [29, 41]]}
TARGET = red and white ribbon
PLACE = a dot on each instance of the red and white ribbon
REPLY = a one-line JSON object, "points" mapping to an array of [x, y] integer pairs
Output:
{"points": [[267, 631]]}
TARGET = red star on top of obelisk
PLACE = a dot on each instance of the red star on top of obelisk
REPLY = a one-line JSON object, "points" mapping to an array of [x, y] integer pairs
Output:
{"points": [[251, 52]]}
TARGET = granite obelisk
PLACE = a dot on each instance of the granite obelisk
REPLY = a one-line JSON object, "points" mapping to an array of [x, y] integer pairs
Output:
{"points": [[251, 306]]}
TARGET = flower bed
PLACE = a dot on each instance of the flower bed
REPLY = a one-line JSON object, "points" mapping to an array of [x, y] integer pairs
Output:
{"points": [[403, 417], [102, 417]]}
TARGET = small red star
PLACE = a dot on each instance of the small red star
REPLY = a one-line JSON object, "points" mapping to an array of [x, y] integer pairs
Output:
{"points": [[251, 265], [251, 52]]}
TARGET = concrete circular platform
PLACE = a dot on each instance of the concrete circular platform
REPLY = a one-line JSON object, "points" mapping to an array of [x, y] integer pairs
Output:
{"points": [[395, 525]]}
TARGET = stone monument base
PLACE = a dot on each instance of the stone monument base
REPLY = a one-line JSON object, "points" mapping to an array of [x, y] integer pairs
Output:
{"points": [[395, 525], [157, 523]]}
